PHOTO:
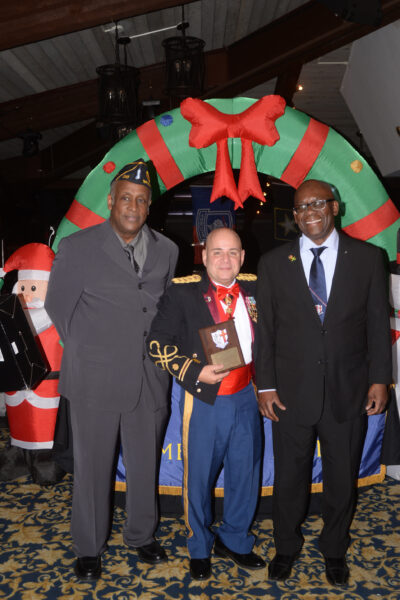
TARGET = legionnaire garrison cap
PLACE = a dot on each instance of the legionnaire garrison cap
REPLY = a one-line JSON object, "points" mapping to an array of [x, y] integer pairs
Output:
{"points": [[135, 172]]}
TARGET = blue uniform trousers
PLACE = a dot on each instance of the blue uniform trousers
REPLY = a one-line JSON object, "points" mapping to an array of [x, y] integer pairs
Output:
{"points": [[227, 433]]}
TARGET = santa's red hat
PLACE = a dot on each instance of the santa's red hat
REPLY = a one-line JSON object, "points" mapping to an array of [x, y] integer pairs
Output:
{"points": [[32, 261]]}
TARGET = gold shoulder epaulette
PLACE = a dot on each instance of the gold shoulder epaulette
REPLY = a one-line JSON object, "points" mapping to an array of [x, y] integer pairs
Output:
{"points": [[187, 279], [246, 277]]}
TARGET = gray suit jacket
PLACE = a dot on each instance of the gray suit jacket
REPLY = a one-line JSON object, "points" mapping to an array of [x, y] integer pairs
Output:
{"points": [[103, 311]]}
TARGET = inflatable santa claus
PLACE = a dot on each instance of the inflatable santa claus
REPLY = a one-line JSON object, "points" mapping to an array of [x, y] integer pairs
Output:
{"points": [[32, 413]]}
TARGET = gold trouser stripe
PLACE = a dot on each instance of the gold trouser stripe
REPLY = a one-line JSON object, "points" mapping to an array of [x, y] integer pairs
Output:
{"points": [[187, 414]]}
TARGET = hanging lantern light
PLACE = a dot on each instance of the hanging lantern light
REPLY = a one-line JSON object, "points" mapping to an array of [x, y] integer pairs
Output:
{"points": [[184, 63], [30, 141], [117, 94]]}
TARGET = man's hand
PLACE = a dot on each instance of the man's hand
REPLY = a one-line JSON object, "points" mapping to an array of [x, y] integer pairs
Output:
{"points": [[209, 374], [266, 401], [377, 399]]}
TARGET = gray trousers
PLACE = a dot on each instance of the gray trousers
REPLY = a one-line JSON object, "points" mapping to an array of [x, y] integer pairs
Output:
{"points": [[95, 440]]}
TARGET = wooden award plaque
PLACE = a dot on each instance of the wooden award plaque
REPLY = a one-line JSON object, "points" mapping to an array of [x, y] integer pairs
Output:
{"points": [[221, 345]]}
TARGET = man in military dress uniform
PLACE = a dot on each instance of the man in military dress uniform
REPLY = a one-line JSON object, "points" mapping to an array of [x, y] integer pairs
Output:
{"points": [[219, 410]]}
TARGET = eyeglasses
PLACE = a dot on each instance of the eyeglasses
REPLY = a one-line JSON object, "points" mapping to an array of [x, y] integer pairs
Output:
{"points": [[315, 205]]}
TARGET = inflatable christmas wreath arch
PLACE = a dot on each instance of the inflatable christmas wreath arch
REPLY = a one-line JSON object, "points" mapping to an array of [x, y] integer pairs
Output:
{"points": [[256, 136], [219, 134]]}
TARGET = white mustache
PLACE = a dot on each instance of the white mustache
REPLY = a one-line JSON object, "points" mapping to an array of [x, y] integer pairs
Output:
{"points": [[36, 303]]}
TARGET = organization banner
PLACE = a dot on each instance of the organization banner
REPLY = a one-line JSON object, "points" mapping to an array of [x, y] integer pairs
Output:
{"points": [[171, 470], [208, 215]]}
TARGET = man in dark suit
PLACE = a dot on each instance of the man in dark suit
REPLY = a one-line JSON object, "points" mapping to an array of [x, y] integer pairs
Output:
{"points": [[323, 364], [102, 296], [221, 423]]}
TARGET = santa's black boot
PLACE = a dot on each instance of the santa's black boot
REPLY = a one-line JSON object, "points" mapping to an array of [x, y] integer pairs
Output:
{"points": [[12, 463], [43, 468]]}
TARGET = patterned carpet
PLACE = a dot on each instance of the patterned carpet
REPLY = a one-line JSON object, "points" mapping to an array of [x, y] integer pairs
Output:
{"points": [[36, 559]]}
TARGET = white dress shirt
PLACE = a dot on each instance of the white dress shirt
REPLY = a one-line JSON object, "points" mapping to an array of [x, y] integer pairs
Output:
{"points": [[242, 325], [328, 258]]}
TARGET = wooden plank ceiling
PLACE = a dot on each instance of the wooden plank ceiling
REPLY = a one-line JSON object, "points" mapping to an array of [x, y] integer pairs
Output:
{"points": [[50, 50]]}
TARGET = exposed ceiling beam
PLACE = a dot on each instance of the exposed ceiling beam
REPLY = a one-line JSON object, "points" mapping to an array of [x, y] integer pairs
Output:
{"points": [[278, 49], [78, 102], [48, 110], [298, 37], [26, 21], [77, 150], [286, 84]]}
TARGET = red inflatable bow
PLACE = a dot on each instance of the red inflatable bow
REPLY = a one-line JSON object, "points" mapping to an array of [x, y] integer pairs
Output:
{"points": [[256, 123]]}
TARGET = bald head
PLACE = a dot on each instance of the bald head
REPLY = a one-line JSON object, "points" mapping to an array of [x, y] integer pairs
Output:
{"points": [[224, 232], [310, 186], [223, 255]]}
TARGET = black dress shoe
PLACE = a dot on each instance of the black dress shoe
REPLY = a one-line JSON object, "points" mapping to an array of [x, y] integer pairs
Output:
{"points": [[337, 571], [88, 567], [152, 553], [249, 560], [200, 568], [280, 566]]}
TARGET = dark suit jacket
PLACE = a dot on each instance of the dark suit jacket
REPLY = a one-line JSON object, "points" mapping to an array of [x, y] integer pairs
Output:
{"points": [[306, 360], [174, 342], [103, 312]]}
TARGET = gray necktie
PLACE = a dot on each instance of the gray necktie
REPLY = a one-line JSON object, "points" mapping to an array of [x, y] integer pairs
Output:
{"points": [[130, 252]]}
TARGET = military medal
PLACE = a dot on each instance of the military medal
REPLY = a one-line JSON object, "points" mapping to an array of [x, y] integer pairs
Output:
{"points": [[251, 308], [228, 300]]}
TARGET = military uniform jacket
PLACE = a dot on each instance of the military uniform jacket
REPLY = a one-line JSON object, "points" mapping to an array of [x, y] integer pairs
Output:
{"points": [[102, 311], [308, 361], [174, 343]]}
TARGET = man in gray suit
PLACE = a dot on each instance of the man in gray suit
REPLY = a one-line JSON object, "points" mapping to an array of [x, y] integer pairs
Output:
{"points": [[102, 296]]}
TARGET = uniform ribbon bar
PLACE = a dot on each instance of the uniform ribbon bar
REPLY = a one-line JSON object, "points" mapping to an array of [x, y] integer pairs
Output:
{"points": [[255, 124]]}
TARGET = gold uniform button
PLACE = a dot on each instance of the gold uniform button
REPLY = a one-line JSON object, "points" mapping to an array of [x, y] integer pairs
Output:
{"points": [[194, 355], [198, 390], [175, 366]]}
